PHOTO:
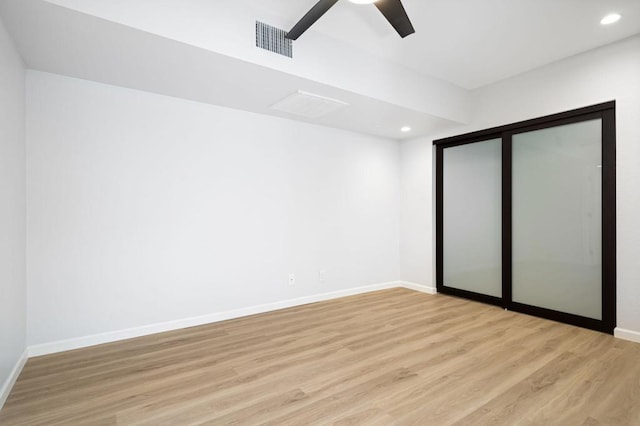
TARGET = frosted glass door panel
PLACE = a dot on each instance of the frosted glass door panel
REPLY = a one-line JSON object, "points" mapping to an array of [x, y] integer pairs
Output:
{"points": [[472, 216], [557, 218]]}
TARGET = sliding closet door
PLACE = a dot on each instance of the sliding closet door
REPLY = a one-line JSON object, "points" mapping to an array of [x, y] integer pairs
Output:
{"points": [[526, 216], [557, 218], [472, 237]]}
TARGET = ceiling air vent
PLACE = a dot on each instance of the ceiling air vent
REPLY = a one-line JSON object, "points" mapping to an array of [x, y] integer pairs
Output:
{"points": [[308, 105], [273, 39]]}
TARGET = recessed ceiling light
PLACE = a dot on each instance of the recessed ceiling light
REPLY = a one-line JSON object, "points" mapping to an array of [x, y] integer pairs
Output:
{"points": [[405, 129], [363, 1], [610, 18]]}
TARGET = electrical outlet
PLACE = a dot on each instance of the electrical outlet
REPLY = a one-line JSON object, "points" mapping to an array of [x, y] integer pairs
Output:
{"points": [[292, 279], [322, 276]]}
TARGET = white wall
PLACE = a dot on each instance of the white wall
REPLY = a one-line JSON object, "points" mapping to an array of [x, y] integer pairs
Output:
{"points": [[12, 209], [417, 252], [604, 74], [144, 208]]}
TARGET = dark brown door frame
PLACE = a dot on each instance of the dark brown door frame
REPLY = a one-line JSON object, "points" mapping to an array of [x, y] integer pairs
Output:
{"points": [[605, 112]]}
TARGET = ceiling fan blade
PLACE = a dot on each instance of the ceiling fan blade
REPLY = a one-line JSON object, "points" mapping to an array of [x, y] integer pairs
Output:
{"points": [[396, 15], [312, 16]]}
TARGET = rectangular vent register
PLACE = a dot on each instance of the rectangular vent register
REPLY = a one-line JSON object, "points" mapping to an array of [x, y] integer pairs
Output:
{"points": [[273, 39]]}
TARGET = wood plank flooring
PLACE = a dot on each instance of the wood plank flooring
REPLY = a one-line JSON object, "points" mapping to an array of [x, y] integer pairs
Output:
{"points": [[389, 357]]}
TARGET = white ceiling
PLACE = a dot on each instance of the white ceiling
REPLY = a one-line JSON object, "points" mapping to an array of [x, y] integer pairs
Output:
{"points": [[472, 43], [204, 50]]}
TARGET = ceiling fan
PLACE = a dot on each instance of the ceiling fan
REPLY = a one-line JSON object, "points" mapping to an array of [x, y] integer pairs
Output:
{"points": [[391, 9]]}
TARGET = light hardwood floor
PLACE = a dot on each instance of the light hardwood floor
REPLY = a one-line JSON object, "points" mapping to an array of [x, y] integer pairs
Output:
{"points": [[389, 357]]}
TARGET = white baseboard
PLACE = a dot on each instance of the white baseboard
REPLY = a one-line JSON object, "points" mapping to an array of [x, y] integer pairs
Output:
{"points": [[418, 287], [621, 333], [113, 336], [13, 376]]}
